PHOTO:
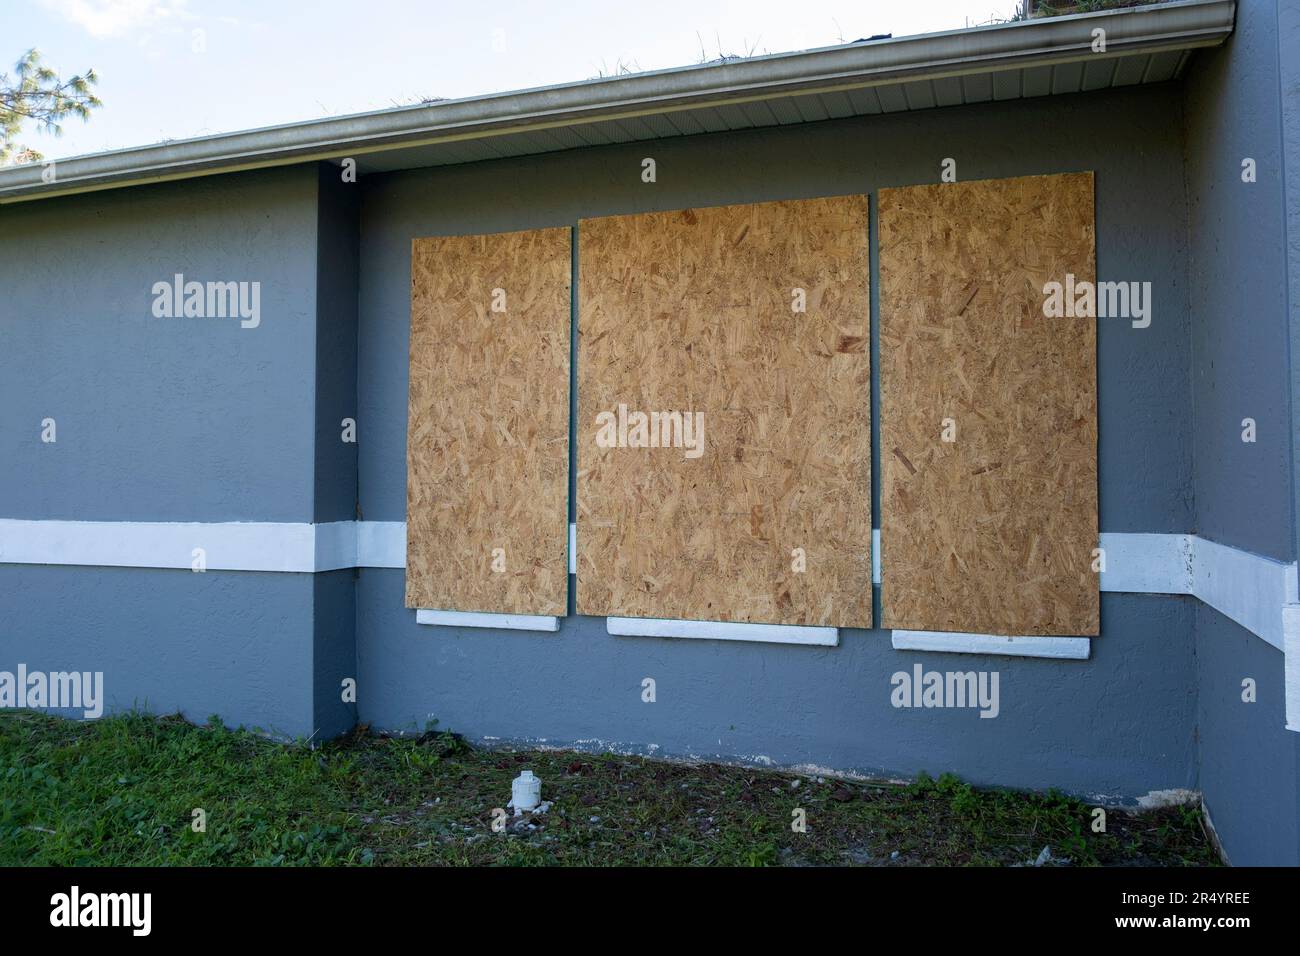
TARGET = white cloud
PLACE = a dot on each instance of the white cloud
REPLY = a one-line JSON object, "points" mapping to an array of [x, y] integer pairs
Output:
{"points": [[104, 19]]}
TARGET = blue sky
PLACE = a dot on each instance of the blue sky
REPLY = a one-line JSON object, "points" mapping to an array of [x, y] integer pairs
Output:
{"points": [[172, 69]]}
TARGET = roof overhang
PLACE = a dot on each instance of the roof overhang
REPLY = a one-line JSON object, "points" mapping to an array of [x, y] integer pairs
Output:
{"points": [[1000, 62]]}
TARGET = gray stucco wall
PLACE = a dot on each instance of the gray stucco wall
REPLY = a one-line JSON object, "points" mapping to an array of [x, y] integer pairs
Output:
{"points": [[334, 652], [1248, 762], [1245, 493], [334, 598], [1111, 728], [181, 419], [1237, 270], [1288, 46], [233, 643], [1118, 725], [335, 393]]}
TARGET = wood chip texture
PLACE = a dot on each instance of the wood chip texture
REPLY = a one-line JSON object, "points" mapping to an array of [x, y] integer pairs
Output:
{"points": [[993, 532], [694, 311], [488, 423]]}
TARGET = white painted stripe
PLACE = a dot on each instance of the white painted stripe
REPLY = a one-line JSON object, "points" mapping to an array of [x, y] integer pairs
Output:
{"points": [[1249, 588], [336, 545], [1291, 650], [381, 544], [722, 631], [1067, 648], [509, 622], [1147, 563], [227, 546]]}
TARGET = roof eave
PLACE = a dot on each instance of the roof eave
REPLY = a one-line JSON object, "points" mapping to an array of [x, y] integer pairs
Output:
{"points": [[1185, 25]]}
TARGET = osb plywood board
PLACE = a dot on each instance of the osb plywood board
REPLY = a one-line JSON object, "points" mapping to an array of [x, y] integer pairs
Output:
{"points": [[693, 311], [993, 531], [488, 423]]}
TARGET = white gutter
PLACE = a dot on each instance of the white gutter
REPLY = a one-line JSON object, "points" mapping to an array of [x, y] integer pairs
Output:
{"points": [[1168, 26]]}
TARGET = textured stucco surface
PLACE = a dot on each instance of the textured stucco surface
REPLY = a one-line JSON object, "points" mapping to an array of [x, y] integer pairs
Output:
{"points": [[336, 346], [335, 396], [1288, 46], [183, 419], [237, 644], [1248, 762], [334, 652], [1238, 268], [1113, 727], [158, 419]]}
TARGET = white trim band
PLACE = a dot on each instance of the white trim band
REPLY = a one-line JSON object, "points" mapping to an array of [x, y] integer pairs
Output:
{"points": [[1257, 592], [1140, 563], [1248, 588], [226, 546], [381, 544]]}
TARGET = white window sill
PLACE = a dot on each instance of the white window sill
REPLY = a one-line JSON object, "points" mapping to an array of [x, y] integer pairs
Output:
{"points": [[508, 622], [1057, 648], [723, 631]]}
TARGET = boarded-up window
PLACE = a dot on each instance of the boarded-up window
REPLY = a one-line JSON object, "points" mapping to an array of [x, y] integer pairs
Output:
{"points": [[487, 434], [988, 408], [749, 325]]}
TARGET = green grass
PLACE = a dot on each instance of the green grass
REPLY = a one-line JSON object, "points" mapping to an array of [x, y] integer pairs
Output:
{"points": [[122, 790]]}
